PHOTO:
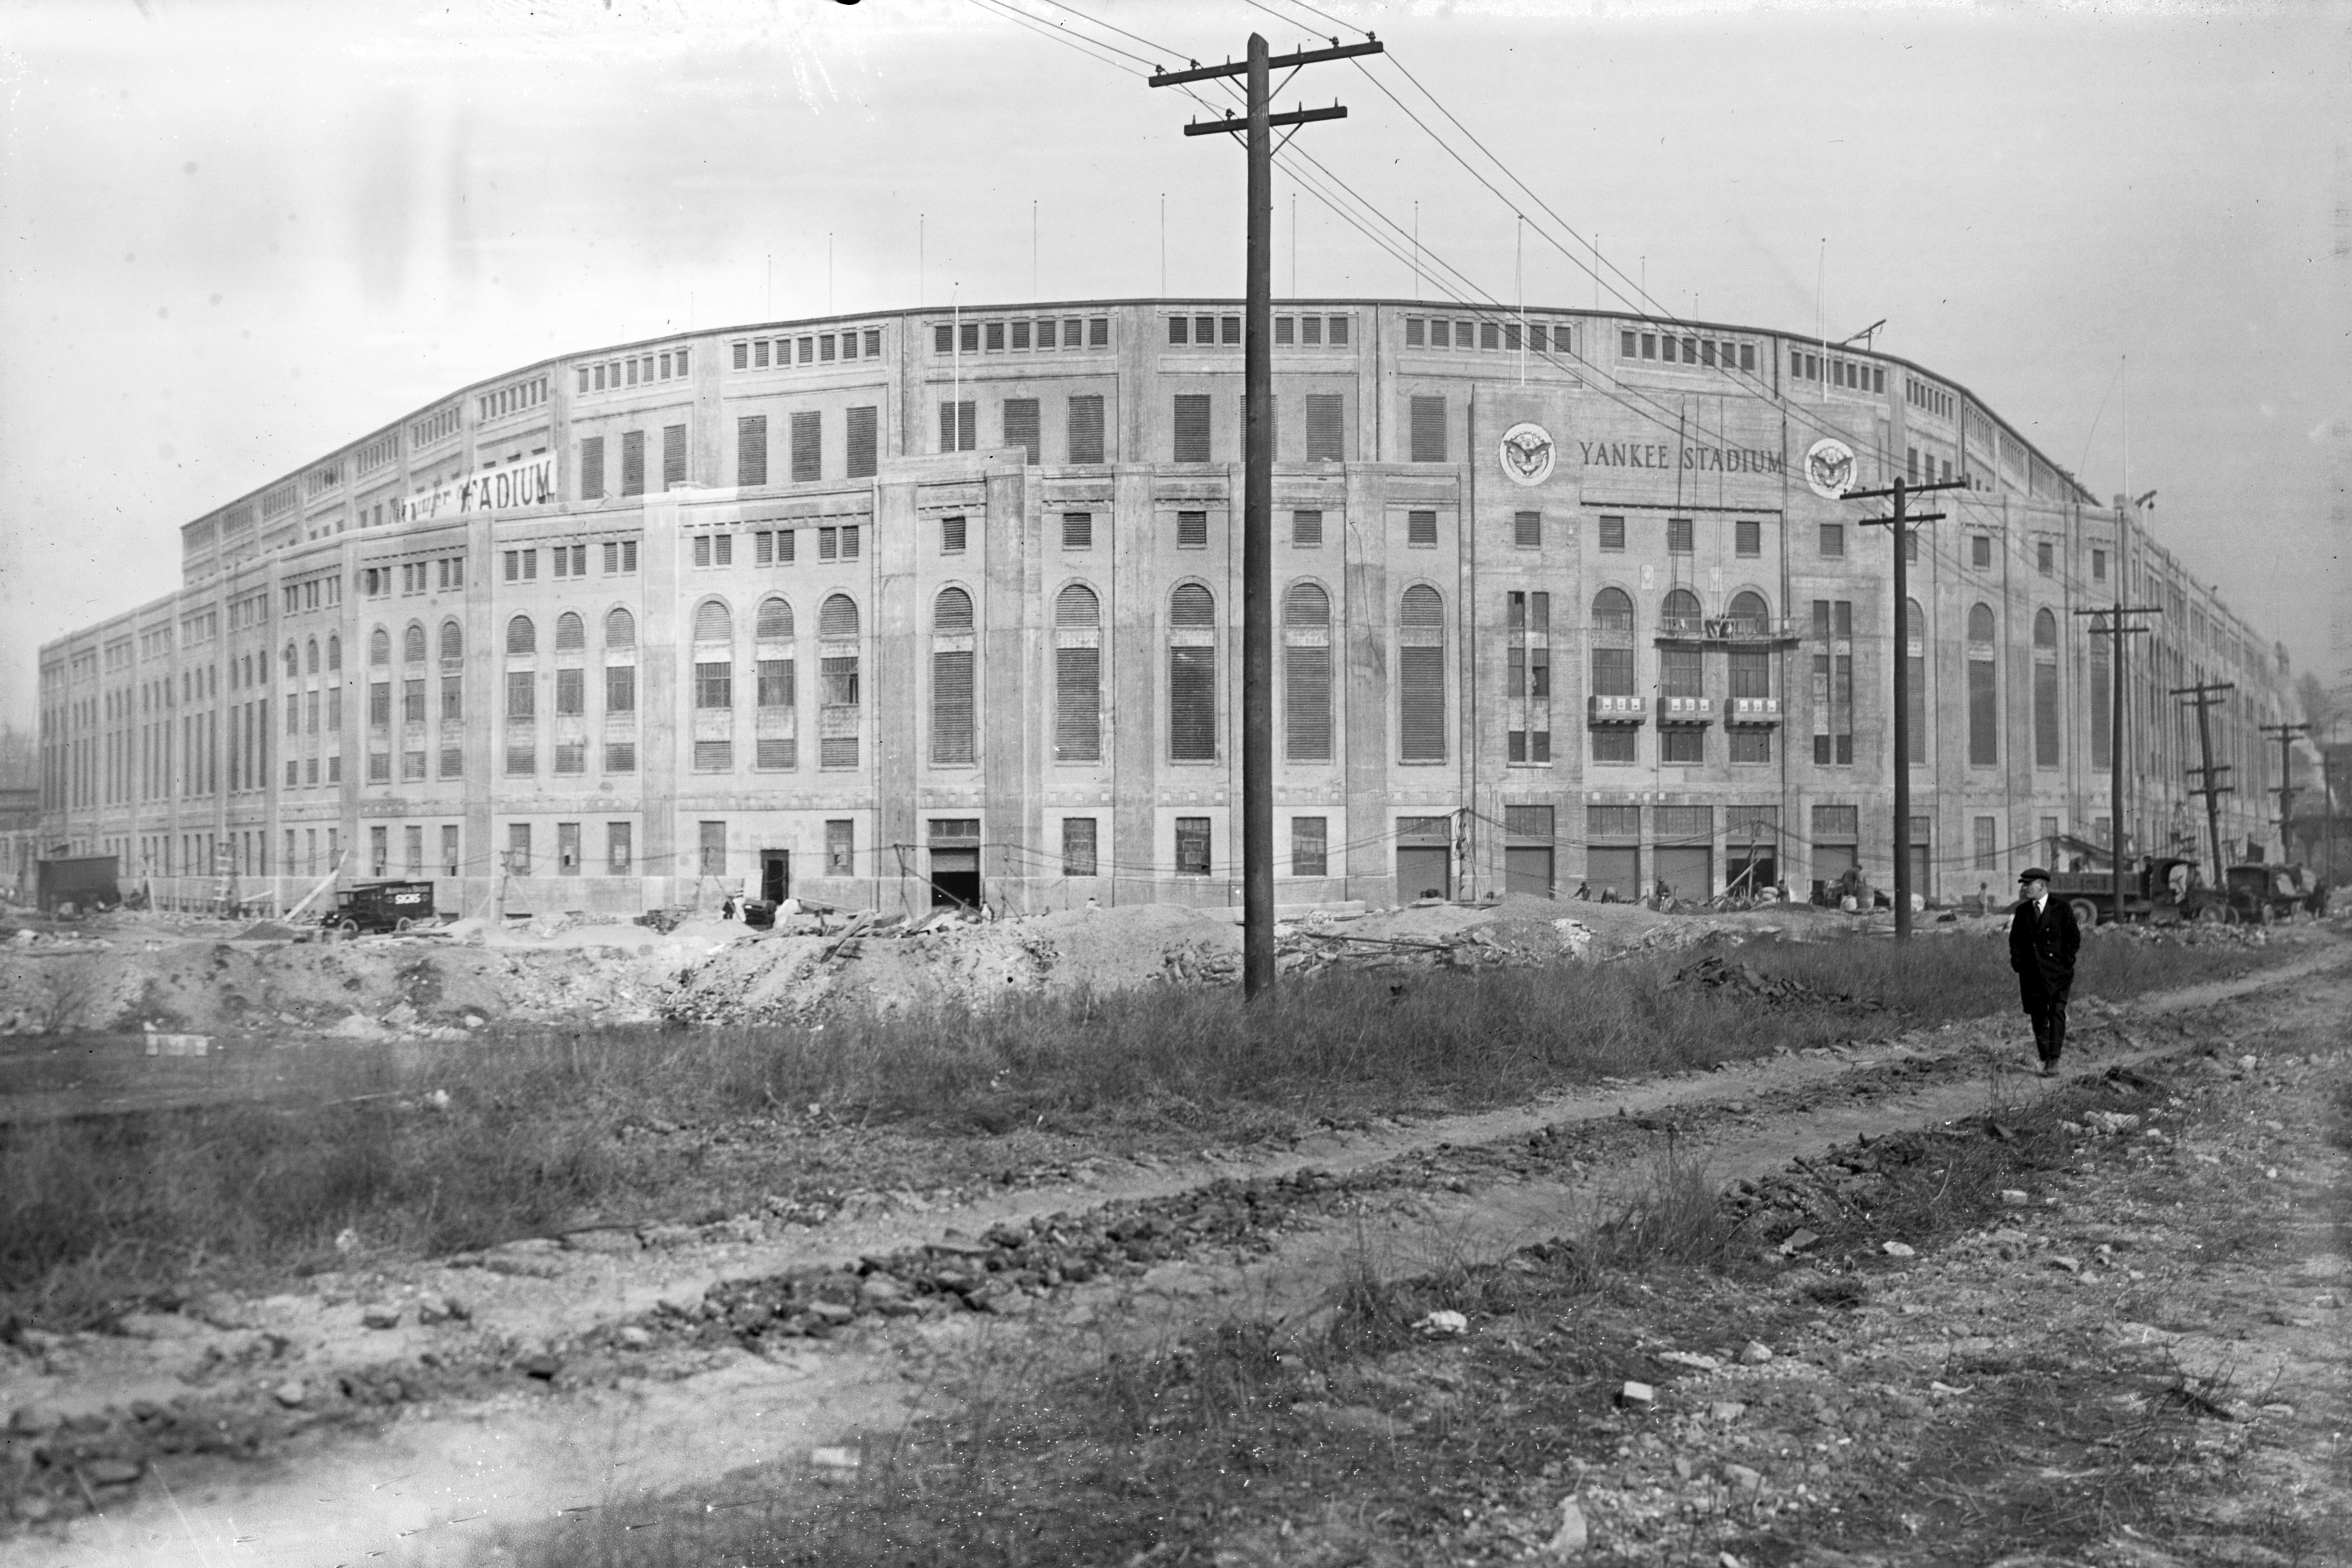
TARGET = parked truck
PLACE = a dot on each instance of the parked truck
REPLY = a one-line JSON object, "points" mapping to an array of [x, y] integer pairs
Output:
{"points": [[378, 906], [2161, 890]]}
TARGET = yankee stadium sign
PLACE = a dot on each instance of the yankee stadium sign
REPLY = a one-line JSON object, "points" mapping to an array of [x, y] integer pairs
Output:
{"points": [[531, 483]]}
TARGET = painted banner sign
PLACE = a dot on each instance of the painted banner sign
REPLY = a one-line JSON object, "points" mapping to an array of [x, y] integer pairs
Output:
{"points": [[531, 483]]}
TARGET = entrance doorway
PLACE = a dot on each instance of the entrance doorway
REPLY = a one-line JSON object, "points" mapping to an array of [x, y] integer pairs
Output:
{"points": [[776, 876], [955, 862], [1527, 869], [1613, 868], [1687, 870]]}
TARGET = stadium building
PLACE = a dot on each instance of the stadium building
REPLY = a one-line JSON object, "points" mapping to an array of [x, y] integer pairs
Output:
{"points": [[891, 608]]}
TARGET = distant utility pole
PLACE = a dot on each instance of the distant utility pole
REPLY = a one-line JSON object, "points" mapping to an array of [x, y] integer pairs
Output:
{"points": [[1899, 525], [2204, 697], [2287, 792], [2110, 624], [1257, 491]]}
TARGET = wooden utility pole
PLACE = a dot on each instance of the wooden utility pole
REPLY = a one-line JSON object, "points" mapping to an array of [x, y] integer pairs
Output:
{"points": [[1898, 526], [2287, 790], [2110, 624], [2204, 697], [1257, 484]]}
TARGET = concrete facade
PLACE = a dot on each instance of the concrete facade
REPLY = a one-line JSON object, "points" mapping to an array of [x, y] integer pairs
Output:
{"points": [[631, 628]]}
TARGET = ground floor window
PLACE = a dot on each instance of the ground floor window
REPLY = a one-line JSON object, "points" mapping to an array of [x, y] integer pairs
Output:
{"points": [[1192, 846]]}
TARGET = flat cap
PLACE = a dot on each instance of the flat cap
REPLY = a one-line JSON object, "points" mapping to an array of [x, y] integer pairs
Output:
{"points": [[2033, 874]]}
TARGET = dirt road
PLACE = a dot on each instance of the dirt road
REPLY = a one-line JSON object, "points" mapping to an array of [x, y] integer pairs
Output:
{"points": [[586, 1384]]}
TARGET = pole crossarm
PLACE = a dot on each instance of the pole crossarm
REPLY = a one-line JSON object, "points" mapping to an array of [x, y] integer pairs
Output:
{"points": [[1198, 73], [1906, 489], [2206, 696], [1903, 521], [1241, 122]]}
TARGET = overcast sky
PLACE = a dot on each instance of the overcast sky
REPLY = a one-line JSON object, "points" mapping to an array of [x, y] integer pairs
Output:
{"points": [[238, 236]]}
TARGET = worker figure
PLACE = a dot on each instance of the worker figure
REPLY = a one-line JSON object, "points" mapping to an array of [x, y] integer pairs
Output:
{"points": [[2042, 941]]}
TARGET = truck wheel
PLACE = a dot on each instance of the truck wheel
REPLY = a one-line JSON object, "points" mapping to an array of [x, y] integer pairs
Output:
{"points": [[349, 931], [405, 925], [2086, 914], [2212, 915]]}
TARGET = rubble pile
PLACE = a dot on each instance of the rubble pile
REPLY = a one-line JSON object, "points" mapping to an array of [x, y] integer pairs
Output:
{"points": [[1717, 973], [1821, 1191]]}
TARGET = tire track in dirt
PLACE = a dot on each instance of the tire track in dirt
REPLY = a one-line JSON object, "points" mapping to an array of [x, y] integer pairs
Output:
{"points": [[426, 1488]]}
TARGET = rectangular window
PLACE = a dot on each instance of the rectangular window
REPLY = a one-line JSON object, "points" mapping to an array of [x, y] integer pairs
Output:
{"points": [[1987, 843], [620, 757], [714, 685], [840, 848], [951, 536], [1086, 427], [632, 462], [517, 855], [1191, 530], [1325, 427], [2098, 565], [522, 689], [570, 690], [1192, 704], [1981, 551], [828, 543], [1310, 846], [1678, 536], [1077, 846], [1748, 538], [1682, 743], [751, 451], [1421, 529], [1526, 530], [1192, 846], [1180, 329], [775, 683], [1077, 703], [952, 738], [673, 456], [1984, 715], [2045, 557], [862, 424], [1612, 533], [711, 841], [1428, 430], [567, 849], [1307, 529], [702, 549], [1832, 539], [592, 468], [619, 848], [1078, 530], [959, 426], [1021, 424], [714, 756], [621, 689], [808, 433], [1191, 427]]}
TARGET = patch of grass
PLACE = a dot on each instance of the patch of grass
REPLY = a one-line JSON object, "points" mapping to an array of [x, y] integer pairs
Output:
{"points": [[95, 1210]]}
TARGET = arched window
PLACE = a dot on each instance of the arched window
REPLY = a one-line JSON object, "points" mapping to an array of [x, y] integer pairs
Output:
{"points": [[521, 636], [2102, 693], [412, 644], [1077, 675], [334, 652], [774, 623], [714, 659], [453, 642], [571, 633], [1307, 673], [1192, 675], [838, 618], [952, 692], [1612, 643], [293, 662], [620, 628], [379, 647], [2046, 690], [1984, 698], [839, 715], [1679, 616], [1421, 676], [1751, 615], [310, 656]]}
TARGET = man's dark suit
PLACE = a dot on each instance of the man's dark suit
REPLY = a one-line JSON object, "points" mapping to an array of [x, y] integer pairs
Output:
{"points": [[2041, 950]]}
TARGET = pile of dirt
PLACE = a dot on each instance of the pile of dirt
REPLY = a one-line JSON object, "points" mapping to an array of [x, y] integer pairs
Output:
{"points": [[1717, 973]]}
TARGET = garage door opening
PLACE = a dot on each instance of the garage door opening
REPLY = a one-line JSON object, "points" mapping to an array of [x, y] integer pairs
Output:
{"points": [[955, 862], [776, 876], [1425, 860]]}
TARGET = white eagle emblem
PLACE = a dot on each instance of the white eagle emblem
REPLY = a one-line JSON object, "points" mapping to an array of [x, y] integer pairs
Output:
{"points": [[1829, 467], [1527, 453]]}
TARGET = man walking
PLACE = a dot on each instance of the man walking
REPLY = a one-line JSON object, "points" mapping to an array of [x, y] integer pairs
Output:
{"points": [[2042, 941]]}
